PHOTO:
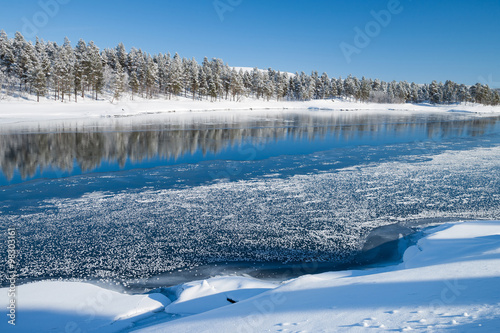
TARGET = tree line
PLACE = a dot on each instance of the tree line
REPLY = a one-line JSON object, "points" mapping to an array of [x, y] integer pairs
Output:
{"points": [[63, 72]]}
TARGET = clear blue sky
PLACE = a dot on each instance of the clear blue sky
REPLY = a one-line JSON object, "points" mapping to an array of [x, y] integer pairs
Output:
{"points": [[425, 40]]}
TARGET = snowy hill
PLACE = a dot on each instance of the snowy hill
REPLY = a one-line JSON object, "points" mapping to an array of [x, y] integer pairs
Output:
{"points": [[250, 69], [448, 281]]}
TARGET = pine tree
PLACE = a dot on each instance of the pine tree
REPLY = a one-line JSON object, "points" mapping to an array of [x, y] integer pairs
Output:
{"points": [[96, 74], [414, 93], [434, 93], [151, 76], [236, 86], [176, 75], [203, 80], [326, 86], [257, 82], [23, 56], [226, 80], [39, 80], [68, 78], [121, 56], [212, 85], [41, 70], [163, 73], [134, 83], [495, 98], [81, 69], [268, 89], [463, 94], [349, 87], [120, 83], [194, 77], [6, 54], [365, 89]]}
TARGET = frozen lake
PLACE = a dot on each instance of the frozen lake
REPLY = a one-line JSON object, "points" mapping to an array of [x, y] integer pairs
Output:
{"points": [[159, 199]]}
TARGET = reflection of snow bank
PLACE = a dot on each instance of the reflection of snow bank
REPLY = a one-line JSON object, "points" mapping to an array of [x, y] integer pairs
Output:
{"points": [[449, 280], [77, 307]]}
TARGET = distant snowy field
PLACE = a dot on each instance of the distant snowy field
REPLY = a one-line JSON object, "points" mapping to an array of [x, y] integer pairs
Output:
{"points": [[17, 111], [448, 282]]}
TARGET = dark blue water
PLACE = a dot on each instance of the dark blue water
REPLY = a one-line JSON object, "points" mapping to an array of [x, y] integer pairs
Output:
{"points": [[26, 154], [177, 197]]}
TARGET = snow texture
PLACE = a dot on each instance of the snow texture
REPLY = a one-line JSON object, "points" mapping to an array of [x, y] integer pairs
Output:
{"points": [[449, 281]]}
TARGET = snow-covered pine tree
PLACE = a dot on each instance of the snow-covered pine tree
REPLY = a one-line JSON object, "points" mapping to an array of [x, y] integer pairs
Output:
{"points": [[121, 56], [212, 85], [434, 93], [68, 79], [463, 94], [96, 75], [326, 87], [6, 54], [23, 60], [81, 68], [236, 86], [194, 77], [257, 83], [365, 89], [268, 89], [39, 80], [151, 76], [203, 81], [41, 70], [226, 80], [176, 75], [217, 73], [120, 82]]}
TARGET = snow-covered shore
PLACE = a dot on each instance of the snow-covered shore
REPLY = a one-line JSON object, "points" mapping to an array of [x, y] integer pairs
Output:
{"points": [[16, 111], [448, 281]]}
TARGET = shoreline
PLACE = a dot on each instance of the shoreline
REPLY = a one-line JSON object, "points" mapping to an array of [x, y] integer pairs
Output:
{"points": [[391, 241], [25, 112], [441, 257]]}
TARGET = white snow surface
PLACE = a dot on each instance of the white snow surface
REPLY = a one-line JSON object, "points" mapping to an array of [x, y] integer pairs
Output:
{"points": [[448, 282], [76, 307], [18, 112]]}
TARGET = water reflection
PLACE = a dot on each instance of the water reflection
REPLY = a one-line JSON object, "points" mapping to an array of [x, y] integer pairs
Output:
{"points": [[87, 148]]}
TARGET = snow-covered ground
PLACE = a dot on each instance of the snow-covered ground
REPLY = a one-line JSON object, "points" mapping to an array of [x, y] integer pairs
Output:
{"points": [[15, 111], [448, 282]]}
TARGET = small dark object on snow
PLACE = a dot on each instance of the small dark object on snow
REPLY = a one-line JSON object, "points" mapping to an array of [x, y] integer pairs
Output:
{"points": [[232, 301]]}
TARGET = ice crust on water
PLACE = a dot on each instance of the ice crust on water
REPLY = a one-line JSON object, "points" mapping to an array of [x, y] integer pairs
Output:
{"points": [[312, 216]]}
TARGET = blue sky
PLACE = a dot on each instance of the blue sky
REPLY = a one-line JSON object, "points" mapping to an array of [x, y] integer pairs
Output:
{"points": [[422, 40]]}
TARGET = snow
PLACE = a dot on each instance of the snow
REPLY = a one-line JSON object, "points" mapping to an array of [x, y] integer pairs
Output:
{"points": [[264, 71], [76, 307], [448, 281], [215, 293], [15, 112]]}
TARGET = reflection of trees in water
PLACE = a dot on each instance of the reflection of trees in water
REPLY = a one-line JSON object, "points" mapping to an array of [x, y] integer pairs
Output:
{"points": [[29, 152]]}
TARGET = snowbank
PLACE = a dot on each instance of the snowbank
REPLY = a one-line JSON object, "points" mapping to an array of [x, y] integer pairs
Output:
{"points": [[15, 111], [448, 281], [75, 307]]}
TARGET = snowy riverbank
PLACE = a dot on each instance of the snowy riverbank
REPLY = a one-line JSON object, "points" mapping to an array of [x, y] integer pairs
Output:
{"points": [[19, 111], [449, 281]]}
